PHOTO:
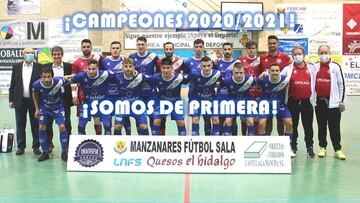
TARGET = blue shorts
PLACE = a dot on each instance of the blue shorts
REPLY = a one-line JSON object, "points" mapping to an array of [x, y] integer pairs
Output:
{"points": [[197, 112], [57, 115], [174, 115], [105, 119], [140, 119]]}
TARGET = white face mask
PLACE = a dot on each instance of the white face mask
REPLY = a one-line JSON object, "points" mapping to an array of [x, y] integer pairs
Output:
{"points": [[298, 58], [324, 58]]}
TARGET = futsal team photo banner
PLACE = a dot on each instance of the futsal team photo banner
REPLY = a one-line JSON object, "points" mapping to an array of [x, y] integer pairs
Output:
{"points": [[174, 154]]}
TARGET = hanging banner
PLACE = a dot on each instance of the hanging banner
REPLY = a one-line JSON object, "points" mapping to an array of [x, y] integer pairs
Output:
{"points": [[185, 40], [351, 29]]}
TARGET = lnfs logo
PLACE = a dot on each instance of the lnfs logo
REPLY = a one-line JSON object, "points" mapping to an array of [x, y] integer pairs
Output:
{"points": [[121, 148]]}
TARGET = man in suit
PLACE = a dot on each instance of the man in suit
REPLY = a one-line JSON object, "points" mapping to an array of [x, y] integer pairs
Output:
{"points": [[60, 69], [24, 74]]}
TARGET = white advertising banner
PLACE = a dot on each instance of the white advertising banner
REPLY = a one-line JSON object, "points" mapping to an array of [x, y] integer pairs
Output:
{"points": [[59, 38], [23, 33], [320, 23], [351, 71], [178, 154], [20, 7], [5, 76], [185, 40]]}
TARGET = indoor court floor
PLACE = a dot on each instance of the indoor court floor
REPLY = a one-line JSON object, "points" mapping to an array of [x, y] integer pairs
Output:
{"points": [[24, 179]]}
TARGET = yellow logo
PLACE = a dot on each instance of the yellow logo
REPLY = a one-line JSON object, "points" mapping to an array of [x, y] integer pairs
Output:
{"points": [[120, 147]]}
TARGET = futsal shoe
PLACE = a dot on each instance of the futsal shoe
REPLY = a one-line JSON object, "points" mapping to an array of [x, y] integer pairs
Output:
{"points": [[20, 152], [340, 155], [310, 152], [36, 151], [44, 156], [322, 152]]}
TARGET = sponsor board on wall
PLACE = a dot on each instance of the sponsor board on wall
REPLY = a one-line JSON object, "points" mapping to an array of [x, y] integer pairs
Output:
{"points": [[175, 154], [315, 23], [351, 71], [286, 45], [20, 7], [351, 29], [59, 38], [20, 34], [10, 57], [5, 76], [184, 40]]}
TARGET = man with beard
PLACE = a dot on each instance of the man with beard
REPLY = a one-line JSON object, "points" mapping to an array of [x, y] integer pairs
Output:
{"points": [[80, 65], [177, 66]]}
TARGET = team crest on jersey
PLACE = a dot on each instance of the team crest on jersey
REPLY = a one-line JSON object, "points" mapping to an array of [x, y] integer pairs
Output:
{"points": [[278, 60]]}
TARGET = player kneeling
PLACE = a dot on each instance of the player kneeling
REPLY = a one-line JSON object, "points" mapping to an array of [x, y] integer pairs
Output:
{"points": [[168, 84], [47, 93]]}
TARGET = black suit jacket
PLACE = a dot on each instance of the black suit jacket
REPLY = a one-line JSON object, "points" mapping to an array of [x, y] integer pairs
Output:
{"points": [[16, 90], [67, 93]]}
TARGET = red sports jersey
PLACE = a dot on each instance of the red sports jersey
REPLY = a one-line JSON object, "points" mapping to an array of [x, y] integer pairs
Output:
{"points": [[322, 85], [251, 67], [280, 58], [300, 83], [177, 64]]}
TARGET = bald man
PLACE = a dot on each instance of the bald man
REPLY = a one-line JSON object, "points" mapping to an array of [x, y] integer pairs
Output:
{"points": [[24, 74]]}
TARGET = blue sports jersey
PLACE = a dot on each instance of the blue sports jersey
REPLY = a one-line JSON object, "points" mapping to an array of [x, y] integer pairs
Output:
{"points": [[113, 65], [203, 87], [131, 88], [168, 89], [274, 91], [238, 90], [116, 67], [50, 98], [192, 64], [146, 65], [225, 67], [94, 88]]}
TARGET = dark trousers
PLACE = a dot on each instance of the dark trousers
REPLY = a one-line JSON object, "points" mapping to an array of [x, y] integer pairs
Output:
{"points": [[49, 126], [331, 118], [20, 116], [303, 107]]}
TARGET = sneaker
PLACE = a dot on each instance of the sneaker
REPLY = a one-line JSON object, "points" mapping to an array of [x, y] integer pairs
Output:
{"points": [[64, 156], [51, 148], [310, 152], [44, 156], [322, 152], [36, 151], [340, 155]]}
